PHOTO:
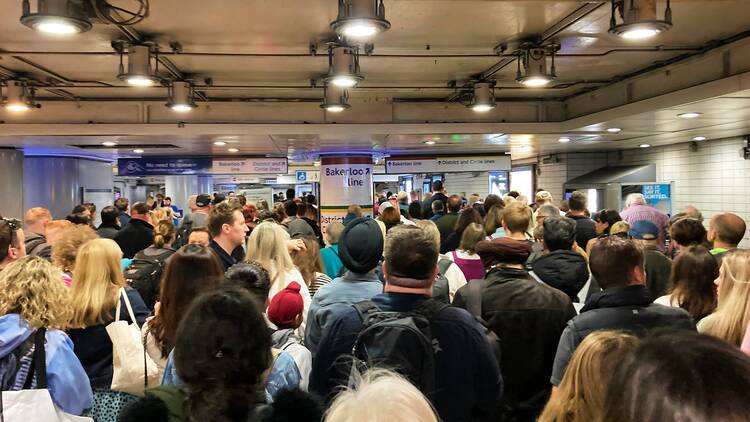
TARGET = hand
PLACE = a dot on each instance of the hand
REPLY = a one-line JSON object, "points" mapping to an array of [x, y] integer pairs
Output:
{"points": [[157, 307], [295, 245]]}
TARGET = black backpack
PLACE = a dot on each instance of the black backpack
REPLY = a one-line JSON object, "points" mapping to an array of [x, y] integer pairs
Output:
{"points": [[25, 367], [144, 275], [400, 341], [183, 232]]}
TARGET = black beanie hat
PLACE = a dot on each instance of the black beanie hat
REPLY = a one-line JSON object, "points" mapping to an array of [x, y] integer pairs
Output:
{"points": [[361, 245]]}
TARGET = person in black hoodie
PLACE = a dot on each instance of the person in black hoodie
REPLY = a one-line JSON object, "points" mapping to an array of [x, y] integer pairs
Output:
{"points": [[585, 227], [222, 351], [138, 234], [561, 267]]}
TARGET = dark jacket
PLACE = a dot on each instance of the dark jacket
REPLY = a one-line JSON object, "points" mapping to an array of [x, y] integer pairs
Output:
{"points": [[93, 347], [566, 271], [529, 317], [135, 237], [468, 379], [226, 260], [446, 225], [107, 231], [427, 204], [36, 245], [629, 308], [585, 229], [658, 270]]}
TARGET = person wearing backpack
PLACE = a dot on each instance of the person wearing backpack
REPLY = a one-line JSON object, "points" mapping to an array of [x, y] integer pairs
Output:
{"points": [[35, 303], [442, 350], [144, 273]]}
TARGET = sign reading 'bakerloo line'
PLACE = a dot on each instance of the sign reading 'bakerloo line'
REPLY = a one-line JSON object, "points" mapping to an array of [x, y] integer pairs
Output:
{"points": [[400, 165], [173, 166]]}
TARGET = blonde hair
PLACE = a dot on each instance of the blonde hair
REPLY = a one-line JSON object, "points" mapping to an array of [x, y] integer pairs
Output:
{"points": [[619, 227], [580, 395], [431, 228], [67, 243], [97, 279], [33, 288], [267, 246], [381, 396], [473, 234], [164, 232], [161, 214], [37, 214], [732, 315]]}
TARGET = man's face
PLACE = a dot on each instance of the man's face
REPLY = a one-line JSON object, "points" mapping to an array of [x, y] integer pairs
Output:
{"points": [[87, 212], [199, 238], [159, 198], [167, 202], [711, 234], [236, 231]]}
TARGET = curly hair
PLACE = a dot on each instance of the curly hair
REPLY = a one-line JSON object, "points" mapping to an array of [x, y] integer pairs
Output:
{"points": [[66, 245], [33, 288]]}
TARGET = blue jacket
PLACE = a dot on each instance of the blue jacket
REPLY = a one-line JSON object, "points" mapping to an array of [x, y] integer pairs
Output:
{"points": [[335, 298], [467, 377], [331, 261], [66, 380]]}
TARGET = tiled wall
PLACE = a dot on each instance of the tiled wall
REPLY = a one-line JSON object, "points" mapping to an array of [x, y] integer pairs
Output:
{"points": [[552, 175], [467, 183], [714, 179]]}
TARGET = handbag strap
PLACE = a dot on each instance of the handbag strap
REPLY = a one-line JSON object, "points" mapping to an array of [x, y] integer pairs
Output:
{"points": [[124, 298], [144, 337]]}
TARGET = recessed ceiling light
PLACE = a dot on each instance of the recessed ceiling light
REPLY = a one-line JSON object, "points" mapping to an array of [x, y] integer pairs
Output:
{"points": [[138, 151], [17, 107], [645, 145], [689, 115], [614, 130], [430, 142], [220, 143], [700, 138], [109, 143], [563, 140], [233, 150]]}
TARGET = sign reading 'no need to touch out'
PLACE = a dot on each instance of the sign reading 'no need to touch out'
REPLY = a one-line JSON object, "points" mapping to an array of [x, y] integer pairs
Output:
{"points": [[344, 181]]}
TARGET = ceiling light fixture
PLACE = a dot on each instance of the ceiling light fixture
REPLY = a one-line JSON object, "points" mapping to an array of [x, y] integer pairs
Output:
{"points": [[699, 138], [343, 66], [429, 142], [360, 19], [233, 150], [220, 143], [58, 17], [563, 140], [316, 163], [140, 73], [689, 115], [181, 97], [645, 145], [614, 130], [335, 99], [138, 151], [109, 143], [638, 19], [483, 99], [532, 64], [19, 96]]}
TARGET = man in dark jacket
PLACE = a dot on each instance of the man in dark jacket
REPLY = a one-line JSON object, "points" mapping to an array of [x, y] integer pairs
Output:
{"points": [[437, 195], [658, 266], [468, 383], [110, 224], [138, 234], [624, 304], [447, 223], [561, 267], [585, 228], [35, 222], [528, 316]]}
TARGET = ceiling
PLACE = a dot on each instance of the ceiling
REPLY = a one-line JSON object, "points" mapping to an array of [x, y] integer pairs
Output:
{"points": [[256, 56]]}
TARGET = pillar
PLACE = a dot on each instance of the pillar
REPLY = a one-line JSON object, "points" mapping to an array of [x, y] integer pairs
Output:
{"points": [[179, 188], [205, 185], [11, 183], [344, 180]]}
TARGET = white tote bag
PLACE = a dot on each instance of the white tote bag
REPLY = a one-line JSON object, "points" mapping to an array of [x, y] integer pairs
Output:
{"points": [[133, 369], [34, 406]]}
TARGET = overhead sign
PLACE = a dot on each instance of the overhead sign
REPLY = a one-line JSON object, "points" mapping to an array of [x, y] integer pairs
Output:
{"points": [[163, 166], [344, 181], [250, 166], [402, 165], [301, 176]]}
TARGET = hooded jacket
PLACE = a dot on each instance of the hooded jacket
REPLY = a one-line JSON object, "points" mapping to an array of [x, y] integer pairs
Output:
{"points": [[66, 380], [566, 271], [36, 245]]}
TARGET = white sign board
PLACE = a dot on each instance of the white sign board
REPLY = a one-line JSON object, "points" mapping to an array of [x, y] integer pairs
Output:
{"points": [[249, 166], [344, 181], [406, 165]]}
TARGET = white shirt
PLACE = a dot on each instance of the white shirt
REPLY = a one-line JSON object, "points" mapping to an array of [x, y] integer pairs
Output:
{"points": [[282, 281], [455, 276]]}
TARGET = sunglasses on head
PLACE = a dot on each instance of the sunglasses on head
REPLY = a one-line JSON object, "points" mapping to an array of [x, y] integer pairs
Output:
{"points": [[13, 225]]}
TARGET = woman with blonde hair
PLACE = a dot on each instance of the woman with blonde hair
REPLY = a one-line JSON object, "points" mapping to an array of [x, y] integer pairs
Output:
{"points": [[97, 280], [65, 248], [267, 246], [381, 396], [580, 395], [733, 307], [36, 303]]}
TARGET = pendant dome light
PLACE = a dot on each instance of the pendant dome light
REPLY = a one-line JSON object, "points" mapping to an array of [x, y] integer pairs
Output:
{"points": [[532, 65], [639, 19], [483, 99], [59, 17], [19, 96], [181, 97], [343, 66], [140, 73], [360, 19], [336, 99]]}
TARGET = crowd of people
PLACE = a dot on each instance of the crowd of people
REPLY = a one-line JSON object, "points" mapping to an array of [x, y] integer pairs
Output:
{"points": [[436, 308]]}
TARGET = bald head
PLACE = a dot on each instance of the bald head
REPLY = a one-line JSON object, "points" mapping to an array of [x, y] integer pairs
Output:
{"points": [[726, 229]]}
